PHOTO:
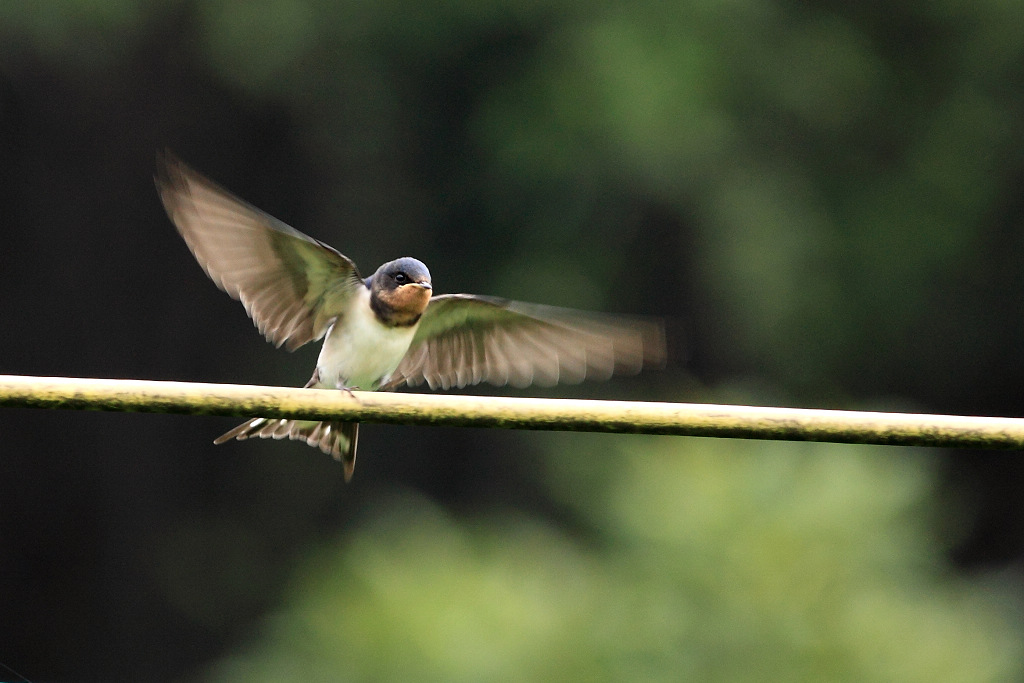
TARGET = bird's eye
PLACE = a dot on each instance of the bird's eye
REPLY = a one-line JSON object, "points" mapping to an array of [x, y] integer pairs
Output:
{"points": [[401, 278]]}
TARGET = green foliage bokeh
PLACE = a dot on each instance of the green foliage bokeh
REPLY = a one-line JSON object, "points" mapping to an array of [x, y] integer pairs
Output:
{"points": [[697, 560]]}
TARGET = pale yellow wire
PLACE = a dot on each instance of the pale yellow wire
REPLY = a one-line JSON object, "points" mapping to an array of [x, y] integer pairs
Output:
{"points": [[638, 417]]}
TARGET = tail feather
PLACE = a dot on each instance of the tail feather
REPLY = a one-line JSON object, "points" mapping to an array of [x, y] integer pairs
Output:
{"points": [[337, 439]]}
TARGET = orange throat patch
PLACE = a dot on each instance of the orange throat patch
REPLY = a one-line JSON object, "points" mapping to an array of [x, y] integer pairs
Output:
{"points": [[405, 305]]}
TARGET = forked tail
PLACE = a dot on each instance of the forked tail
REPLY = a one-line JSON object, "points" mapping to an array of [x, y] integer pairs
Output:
{"points": [[337, 439]]}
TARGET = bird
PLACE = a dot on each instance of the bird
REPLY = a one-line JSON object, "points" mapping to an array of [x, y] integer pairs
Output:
{"points": [[388, 329]]}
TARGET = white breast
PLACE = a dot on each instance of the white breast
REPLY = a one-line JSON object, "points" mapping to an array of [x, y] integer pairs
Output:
{"points": [[359, 351]]}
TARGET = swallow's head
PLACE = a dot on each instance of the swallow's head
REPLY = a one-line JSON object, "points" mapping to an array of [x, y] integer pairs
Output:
{"points": [[400, 291]]}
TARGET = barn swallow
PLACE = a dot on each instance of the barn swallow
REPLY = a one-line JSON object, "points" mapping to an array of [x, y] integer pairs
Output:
{"points": [[388, 329]]}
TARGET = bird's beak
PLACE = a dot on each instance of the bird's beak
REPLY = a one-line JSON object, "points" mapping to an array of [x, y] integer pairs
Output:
{"points": [[424, 285]]}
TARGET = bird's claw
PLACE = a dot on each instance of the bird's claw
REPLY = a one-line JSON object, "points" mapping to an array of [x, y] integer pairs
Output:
{"points": [[349, 391]]}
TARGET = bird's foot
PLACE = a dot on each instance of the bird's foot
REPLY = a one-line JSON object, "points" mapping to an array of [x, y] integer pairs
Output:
{"points": [[348, 390]]}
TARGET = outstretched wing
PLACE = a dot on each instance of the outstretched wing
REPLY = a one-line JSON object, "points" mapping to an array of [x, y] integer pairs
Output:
{"points": [[465, 339], [291, 285]]}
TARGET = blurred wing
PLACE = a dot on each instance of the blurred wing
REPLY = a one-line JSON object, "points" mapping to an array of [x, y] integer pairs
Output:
{"points": [[464, 339], [291, 285]]}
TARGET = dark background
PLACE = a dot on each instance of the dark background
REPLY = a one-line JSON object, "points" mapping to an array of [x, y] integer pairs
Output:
{"points": [[825, 201]]}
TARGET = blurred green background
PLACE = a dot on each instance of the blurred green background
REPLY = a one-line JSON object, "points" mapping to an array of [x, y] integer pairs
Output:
{"points": [[824, 200]]}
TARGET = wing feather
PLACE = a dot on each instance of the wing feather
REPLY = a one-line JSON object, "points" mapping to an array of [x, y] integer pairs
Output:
{"points": [[292, 286], [464, 339]]}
